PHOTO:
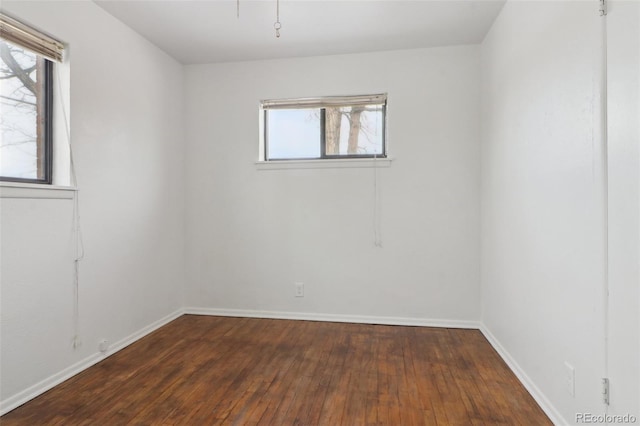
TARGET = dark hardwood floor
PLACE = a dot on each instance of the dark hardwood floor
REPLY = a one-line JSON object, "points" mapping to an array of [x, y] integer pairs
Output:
{"points": [[201, 370]]}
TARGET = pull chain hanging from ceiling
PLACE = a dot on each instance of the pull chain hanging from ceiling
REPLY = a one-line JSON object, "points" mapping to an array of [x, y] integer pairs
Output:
{"points": [[277, 25]]}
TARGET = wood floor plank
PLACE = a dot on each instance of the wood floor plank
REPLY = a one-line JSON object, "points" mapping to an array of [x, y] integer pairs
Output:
{"points": [[201, 370]]}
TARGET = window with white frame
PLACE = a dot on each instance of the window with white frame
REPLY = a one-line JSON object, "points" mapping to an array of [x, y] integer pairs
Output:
{"points": [[27, 59], [324, 128]]}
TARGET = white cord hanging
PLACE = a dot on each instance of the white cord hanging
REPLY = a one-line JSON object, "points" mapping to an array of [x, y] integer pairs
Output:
{"points": [[77, 229], [377, 237], [277, 25]]}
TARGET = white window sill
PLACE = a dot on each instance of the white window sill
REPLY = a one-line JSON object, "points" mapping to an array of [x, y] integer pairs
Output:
{"points": [[35, 191], [324, 164]]}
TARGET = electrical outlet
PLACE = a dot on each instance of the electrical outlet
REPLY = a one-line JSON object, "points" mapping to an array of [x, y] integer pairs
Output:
{"points": [[570, 379], [76, 342], [103, 345], [299, 289]]}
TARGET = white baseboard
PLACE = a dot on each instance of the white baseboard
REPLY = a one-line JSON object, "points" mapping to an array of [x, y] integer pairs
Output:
{"points": [[360, 319], [48, 383], [535, 392]]}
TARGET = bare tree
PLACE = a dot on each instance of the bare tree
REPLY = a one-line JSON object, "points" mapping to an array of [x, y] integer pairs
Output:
{"points": [[354, 129], [333, 117], [15, 70], [19, 74], [358, 125]]}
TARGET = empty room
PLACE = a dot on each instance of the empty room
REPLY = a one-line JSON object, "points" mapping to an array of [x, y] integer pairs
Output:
{"points": [[283, 212]]}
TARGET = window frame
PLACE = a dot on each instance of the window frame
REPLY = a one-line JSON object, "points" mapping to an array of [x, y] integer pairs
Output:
{"points": [[323, 142], [47, 50]]}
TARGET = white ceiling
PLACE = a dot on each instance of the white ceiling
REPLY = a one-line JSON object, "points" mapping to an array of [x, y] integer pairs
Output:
{"points": [[207, 31]]}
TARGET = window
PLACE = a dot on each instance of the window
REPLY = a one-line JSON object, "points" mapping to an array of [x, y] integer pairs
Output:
{"points": [[25, 121], [26, 92], [324, 128]]}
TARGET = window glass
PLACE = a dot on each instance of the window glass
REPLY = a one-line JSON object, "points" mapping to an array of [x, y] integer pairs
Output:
{"points": [[293, 133], [23, 115], [354, 130]]}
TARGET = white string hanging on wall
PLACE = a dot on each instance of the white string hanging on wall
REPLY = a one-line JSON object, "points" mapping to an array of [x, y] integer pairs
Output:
{"points": [[377, 232], [78, 254]]}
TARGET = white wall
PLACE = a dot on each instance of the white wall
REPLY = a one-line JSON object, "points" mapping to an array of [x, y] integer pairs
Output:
{"points": [[623, 27], [126, 125], [252, 233], [543, 207]]}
